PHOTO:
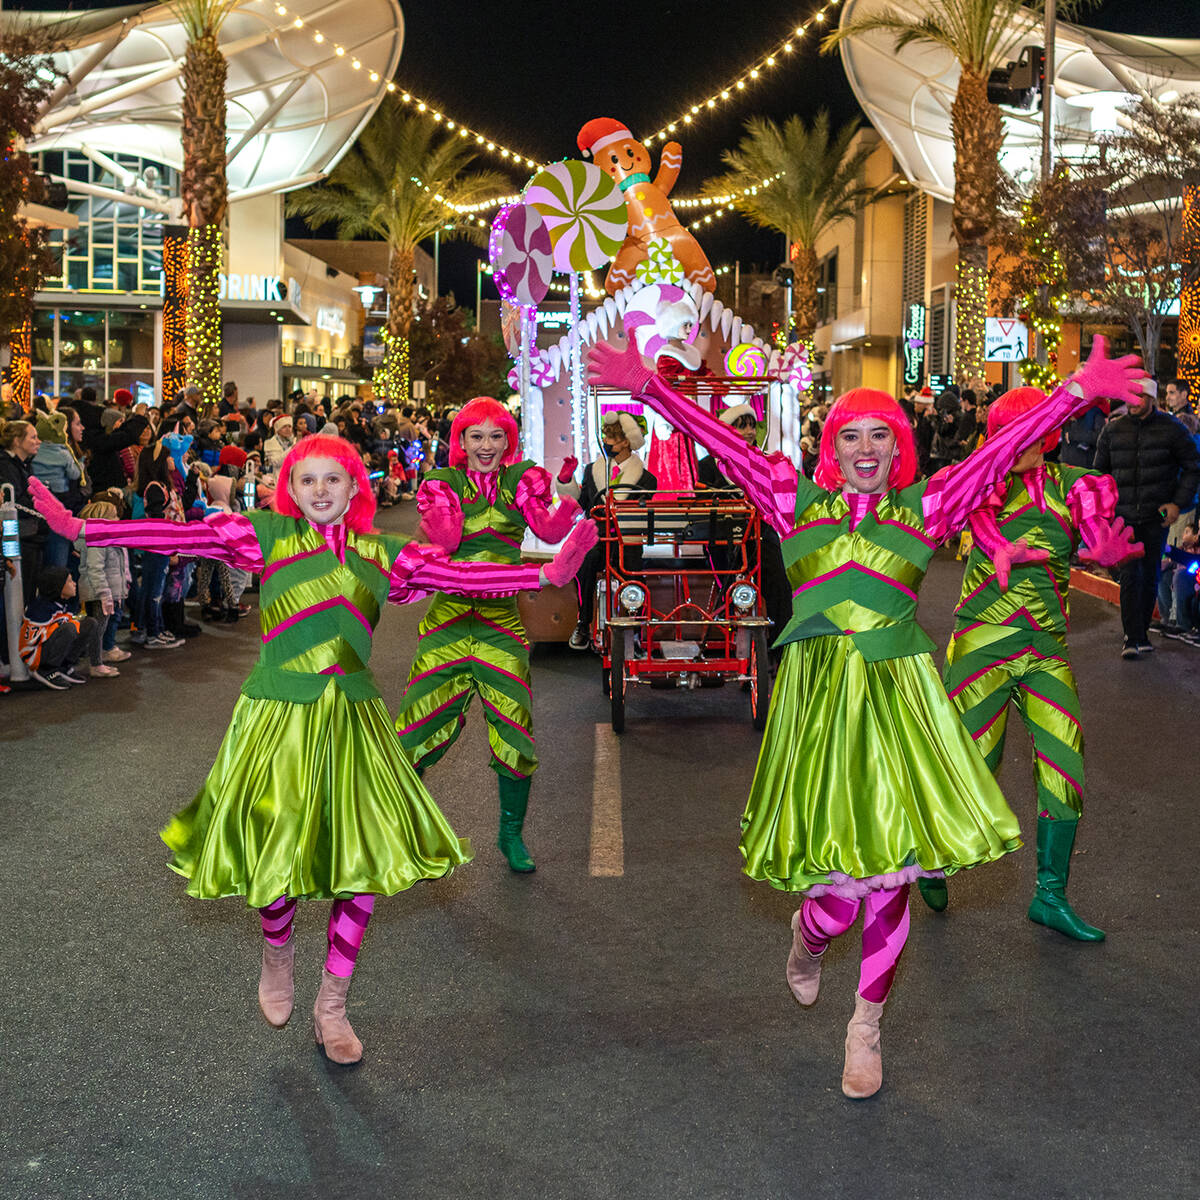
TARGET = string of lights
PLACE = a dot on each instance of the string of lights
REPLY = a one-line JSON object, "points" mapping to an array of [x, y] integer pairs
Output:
{"points": [[459, 128], [762, 67]]}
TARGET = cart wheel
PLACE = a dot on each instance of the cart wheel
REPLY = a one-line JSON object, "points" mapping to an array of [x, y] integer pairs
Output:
{"points": [[617, 682], [760, 679]]}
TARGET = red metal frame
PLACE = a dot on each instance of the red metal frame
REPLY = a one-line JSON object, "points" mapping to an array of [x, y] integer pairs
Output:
{"points": [[687, 595]]}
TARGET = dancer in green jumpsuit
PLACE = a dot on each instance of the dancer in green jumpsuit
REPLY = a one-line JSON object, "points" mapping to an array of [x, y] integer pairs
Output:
{"points": [[478, 509], [1009, 641]]}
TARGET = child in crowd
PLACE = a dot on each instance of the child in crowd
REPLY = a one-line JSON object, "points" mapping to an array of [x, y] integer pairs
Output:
{"points": [[104, 584], [311, 795], [53, 638]]}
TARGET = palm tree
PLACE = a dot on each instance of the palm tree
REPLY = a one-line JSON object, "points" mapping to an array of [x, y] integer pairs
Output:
{"points": [[799, 180], [981, 34], [204, 188], [401, 183]]}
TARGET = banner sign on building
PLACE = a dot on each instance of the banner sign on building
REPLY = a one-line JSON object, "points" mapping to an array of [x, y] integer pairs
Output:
{"points": [[914, 345], [1006, 340]]}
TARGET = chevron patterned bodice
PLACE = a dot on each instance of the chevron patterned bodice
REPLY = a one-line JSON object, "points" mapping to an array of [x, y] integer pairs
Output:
{"points": [[1037, 593], [860, 583], [492, 529]]}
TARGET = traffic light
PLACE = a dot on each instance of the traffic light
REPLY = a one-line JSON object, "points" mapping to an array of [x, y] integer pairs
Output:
{"points": [[785, 276]]}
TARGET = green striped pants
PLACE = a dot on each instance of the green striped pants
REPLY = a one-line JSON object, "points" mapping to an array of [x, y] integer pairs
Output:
{"points": [[989, 665], [466, 649]]}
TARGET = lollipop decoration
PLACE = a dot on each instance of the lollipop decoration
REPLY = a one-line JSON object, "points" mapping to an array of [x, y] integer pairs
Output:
{"points": [[795, 368], [746, 361], [584, 211], [660, 264], [521, 254]]}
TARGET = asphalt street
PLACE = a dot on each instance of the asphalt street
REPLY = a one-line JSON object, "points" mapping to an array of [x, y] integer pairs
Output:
{"points": [[615, 1025]]}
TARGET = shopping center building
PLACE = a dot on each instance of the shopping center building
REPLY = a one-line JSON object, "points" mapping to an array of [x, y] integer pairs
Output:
{"points": [[887, 304], [297, 98]]}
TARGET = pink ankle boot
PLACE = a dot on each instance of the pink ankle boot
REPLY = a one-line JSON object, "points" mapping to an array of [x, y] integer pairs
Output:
{"points": [[276, 989], [803, 968], [863, 1073], [333, 1032]]}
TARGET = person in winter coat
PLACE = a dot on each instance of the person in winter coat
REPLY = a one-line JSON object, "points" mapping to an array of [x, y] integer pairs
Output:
{"points": [[103, 585], [19, 443], [54, 639], [278, 444], [1157, 468], [58, 464]]}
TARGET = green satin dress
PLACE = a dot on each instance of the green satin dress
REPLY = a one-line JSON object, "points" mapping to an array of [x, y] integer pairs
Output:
{"points": [[866, 772], [311, 795]]}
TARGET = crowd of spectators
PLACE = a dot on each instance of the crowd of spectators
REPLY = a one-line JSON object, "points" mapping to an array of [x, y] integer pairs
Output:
{"points": [[86, 610]]}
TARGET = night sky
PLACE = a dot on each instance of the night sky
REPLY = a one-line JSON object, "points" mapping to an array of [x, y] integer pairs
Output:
{"points": [[531, 74]]}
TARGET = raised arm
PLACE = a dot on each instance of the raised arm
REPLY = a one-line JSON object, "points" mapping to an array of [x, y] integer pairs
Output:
{"points": [[421, 570], [989, 537], [534, 500], [226, 537], [1107, 541], [769, 483], [955, 491]]}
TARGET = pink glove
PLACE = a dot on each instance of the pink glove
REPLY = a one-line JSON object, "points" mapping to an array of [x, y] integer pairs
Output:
{"points": [[442, 524], [567, 471], [1112, 545], [562, 567], [1004, 554], [1117, 379], [56, 515], [625, 370]]}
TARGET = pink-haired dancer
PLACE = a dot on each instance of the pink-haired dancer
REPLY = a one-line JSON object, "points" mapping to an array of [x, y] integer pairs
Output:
{"points": [[866, 779], [311, 796], [477, 509]]}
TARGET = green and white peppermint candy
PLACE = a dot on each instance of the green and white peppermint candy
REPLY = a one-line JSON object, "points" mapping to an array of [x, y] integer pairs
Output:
{"points": [[660, 264]]}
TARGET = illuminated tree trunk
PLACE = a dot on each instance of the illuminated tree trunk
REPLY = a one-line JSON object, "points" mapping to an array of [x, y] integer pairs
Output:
{"points": [[392, 379], [978, 134], [205, 199]]}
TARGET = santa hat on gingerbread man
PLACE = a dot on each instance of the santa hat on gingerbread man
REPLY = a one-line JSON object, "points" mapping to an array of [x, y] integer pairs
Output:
{"points": [[600, 132]]}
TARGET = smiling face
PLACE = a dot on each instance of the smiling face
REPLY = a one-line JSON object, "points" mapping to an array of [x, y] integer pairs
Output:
{"points": [[865, 450], [484, 445], [322, 489], [624, 158]]}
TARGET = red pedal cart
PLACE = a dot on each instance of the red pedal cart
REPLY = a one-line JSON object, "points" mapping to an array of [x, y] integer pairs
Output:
{"points": [[679, 601]]}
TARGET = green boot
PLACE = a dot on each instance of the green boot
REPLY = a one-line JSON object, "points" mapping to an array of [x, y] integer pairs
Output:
{"points": [[1050, 906], [933, 892], [514, 799]]}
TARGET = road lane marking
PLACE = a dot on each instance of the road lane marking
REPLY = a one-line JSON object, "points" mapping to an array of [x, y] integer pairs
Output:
{"points": [[608, 834]]}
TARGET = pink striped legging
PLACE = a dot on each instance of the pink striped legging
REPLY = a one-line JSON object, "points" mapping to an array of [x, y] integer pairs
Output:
{"points": [[885, 930], [347, 925]]}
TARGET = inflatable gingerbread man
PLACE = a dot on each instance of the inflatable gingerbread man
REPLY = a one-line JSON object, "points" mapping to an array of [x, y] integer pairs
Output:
{"points": [[616, 151]]}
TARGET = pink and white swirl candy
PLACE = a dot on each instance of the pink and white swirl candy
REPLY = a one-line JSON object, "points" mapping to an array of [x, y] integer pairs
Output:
{"points": [[746, 361], [584, 211], [794, 367], [521, 254]]}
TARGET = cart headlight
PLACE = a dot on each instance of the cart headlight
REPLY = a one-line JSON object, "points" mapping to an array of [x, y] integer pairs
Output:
{"points": [[632, 597], [743, 596]]}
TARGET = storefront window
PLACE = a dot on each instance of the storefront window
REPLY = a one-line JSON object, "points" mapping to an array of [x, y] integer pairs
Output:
{"points": [[118, 245], [95, 349]]}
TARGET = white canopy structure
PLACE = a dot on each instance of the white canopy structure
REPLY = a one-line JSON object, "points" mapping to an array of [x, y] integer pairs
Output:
{"points": [[907, 96], [304, 78]]}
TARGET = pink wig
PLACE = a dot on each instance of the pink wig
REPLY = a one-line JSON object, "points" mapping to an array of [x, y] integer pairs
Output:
{"points": [[856, 405], [360, 515], [476, 412], [1007, 408]]}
